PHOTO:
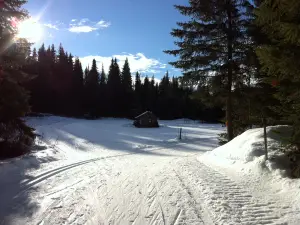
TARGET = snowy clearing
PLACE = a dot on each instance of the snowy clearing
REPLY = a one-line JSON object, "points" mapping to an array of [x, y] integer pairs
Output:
{"points": [[108, 172]]}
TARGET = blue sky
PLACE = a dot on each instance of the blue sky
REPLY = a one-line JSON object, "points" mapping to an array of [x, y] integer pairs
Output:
{"points": [[137, 29]]}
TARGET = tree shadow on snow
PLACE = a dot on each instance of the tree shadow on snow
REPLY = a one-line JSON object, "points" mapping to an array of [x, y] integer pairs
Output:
{"points": [[125, 138], [15, 201]]}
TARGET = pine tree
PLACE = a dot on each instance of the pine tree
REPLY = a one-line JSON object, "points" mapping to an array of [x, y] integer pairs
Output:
{"points": [[138, 94], [102, 100], [279, 20], [53, 54], [39, 86], [211, 45], [86, 72], [114, 89], [153, 95], [34, 54], [91, 90], [127, 89], [103, 78], [63, 81], [77, 96], [163, 97], [15, 136], [146, 94], [138, 82], [126, 77]]}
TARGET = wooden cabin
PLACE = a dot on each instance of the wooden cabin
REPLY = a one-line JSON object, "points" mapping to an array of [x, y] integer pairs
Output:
{"points": [[146, 119]]}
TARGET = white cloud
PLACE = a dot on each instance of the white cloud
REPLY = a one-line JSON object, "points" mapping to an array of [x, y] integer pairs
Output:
{"points": [[83, 21], [138, 62], [85, 25], [51, 26], [103, 24], [82, 29]]}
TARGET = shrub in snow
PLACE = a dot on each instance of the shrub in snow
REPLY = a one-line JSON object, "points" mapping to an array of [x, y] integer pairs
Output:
{"points": [[223, 139], [16, 138]]}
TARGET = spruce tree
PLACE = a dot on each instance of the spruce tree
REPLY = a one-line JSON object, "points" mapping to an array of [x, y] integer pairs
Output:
{"points": [[211, 44], [102, 100], [86, 72], [146, 94], [138, 94], [126, 77], [15, 136], [279, 20], [138, 83], [103, 78], [63, 82], [114, 89], [153, 95], [127, 89], [77, 97], [91, 90], [34, 54]]}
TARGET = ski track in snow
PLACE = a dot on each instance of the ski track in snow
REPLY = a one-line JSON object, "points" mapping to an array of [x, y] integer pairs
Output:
{"points": [[228, 202], [166, 186]]}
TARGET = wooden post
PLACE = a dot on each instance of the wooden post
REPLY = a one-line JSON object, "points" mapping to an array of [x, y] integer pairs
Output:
{"points": [[180, 131]]}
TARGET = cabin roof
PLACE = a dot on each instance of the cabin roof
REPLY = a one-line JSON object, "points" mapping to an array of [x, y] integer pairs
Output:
{"points": [[143, 114]]}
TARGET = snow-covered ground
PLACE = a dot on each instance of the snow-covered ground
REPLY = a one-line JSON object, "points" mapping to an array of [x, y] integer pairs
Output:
{"points": [[108, 172]]}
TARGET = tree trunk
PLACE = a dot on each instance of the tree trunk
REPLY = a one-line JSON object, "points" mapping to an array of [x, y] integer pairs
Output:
{"points": [[230, 71]]}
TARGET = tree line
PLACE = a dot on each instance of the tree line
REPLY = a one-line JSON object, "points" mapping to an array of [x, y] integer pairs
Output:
{"points": [[63, 87]]}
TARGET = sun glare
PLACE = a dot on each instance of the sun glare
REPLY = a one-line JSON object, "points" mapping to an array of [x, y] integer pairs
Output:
{"points": [[30, 29]]}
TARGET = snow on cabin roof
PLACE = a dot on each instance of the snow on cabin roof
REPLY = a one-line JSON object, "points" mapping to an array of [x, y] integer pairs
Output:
{"points": [[147, 112]]}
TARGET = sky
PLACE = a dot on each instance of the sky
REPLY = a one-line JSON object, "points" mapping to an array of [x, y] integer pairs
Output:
{"points": [[135, 29]]}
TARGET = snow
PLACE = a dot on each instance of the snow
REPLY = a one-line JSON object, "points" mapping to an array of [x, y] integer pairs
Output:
{"points": [[246, 152], [243, 159], [109, 172]]}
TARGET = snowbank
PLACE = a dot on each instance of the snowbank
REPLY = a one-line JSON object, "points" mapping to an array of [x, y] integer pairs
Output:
{"points": [[246, 151], [243, 159]]}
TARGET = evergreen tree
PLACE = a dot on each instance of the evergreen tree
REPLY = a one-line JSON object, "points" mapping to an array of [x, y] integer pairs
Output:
{"points": [[138, 94], [126, 77], [138, 82], [163, 97], [153, 95], [146, 94], [15, 136], [77, 97], [114, 89], [279, 58], [34, 55], [86, 72], [102, 100], [127, 89], [53, 54], [63, 81], [91, 90], [212, 44], [103, 78]]}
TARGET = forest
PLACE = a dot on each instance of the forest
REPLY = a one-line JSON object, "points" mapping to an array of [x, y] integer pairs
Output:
{"points": [[63, 87]]}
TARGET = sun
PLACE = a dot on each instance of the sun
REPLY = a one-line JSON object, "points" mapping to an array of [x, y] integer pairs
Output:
{"points": [[30, 29]]}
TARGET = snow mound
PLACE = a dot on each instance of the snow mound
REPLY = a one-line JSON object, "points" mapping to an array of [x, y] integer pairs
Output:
{"points": [[247, 150]]}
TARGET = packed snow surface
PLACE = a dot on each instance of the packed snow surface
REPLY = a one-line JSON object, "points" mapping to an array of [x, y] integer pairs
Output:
{"points": [[109, 172]]}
